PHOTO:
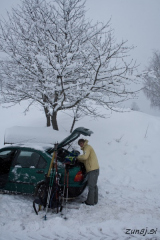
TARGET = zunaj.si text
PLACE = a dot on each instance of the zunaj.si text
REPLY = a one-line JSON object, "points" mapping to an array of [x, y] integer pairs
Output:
{"points": [[142, 231]]}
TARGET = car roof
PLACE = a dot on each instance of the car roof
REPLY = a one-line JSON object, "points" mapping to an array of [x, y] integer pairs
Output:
{"points": [[29, 136], [36, 146], [34, 135]]}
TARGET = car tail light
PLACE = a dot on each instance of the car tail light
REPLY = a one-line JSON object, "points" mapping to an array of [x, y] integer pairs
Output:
{"points": [[79, 177]]}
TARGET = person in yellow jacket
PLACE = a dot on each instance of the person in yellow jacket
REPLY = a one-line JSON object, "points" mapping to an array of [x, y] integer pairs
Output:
{"points": [[90, 161]]}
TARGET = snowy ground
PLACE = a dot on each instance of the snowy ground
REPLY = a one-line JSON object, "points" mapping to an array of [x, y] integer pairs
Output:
{"points": [[127, 146]]}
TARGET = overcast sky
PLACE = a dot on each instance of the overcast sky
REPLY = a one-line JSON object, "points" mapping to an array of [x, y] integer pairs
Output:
{"points": [[137, 21]]}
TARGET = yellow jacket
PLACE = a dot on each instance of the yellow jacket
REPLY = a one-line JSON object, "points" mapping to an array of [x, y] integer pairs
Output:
{"points": [[88, 157]]}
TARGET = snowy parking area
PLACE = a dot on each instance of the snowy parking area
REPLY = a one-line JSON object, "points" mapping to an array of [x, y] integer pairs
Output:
{"points": [[127, 146]]}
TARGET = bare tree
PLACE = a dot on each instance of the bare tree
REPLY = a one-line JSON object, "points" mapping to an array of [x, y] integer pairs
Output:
{"points": [[79, 111], [76, 116], [151, 78], [55, 57]]}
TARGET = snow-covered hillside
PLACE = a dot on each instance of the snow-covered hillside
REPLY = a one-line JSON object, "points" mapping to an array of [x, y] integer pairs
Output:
{"points": [[127, 146]]}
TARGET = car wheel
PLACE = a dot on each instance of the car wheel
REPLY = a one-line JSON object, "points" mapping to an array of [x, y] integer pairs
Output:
{"points": [[76, 191]]}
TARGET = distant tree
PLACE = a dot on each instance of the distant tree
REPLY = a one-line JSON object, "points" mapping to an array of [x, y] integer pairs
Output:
{"points": [[134, 106], [151, 79], [57, 58]]}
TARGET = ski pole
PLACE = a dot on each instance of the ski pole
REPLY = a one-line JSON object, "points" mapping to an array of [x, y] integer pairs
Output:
{"points": [[64, 185], [56, 175], [67, 193], [51, 181], [64, 188], [49, 192]]}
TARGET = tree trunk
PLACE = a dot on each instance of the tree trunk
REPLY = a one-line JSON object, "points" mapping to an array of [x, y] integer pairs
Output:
{"points": [[73, 123], [48, 118], [54, 121]]}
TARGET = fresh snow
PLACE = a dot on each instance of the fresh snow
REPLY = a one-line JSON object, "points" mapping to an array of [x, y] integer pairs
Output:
{"points": [[127, 146]]}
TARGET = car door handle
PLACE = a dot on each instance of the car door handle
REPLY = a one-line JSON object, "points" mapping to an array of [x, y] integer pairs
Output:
{"points": [[40, 171]]}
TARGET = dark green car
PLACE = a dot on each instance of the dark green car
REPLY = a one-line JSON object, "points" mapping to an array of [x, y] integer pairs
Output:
{"points": [[23, 169]]}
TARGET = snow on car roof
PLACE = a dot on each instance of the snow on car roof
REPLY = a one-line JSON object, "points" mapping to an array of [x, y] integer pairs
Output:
{"points": [[37, 146], [36, 135]]}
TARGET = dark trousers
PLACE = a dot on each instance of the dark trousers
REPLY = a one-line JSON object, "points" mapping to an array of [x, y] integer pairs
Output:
{"points": [[92, 197]]}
